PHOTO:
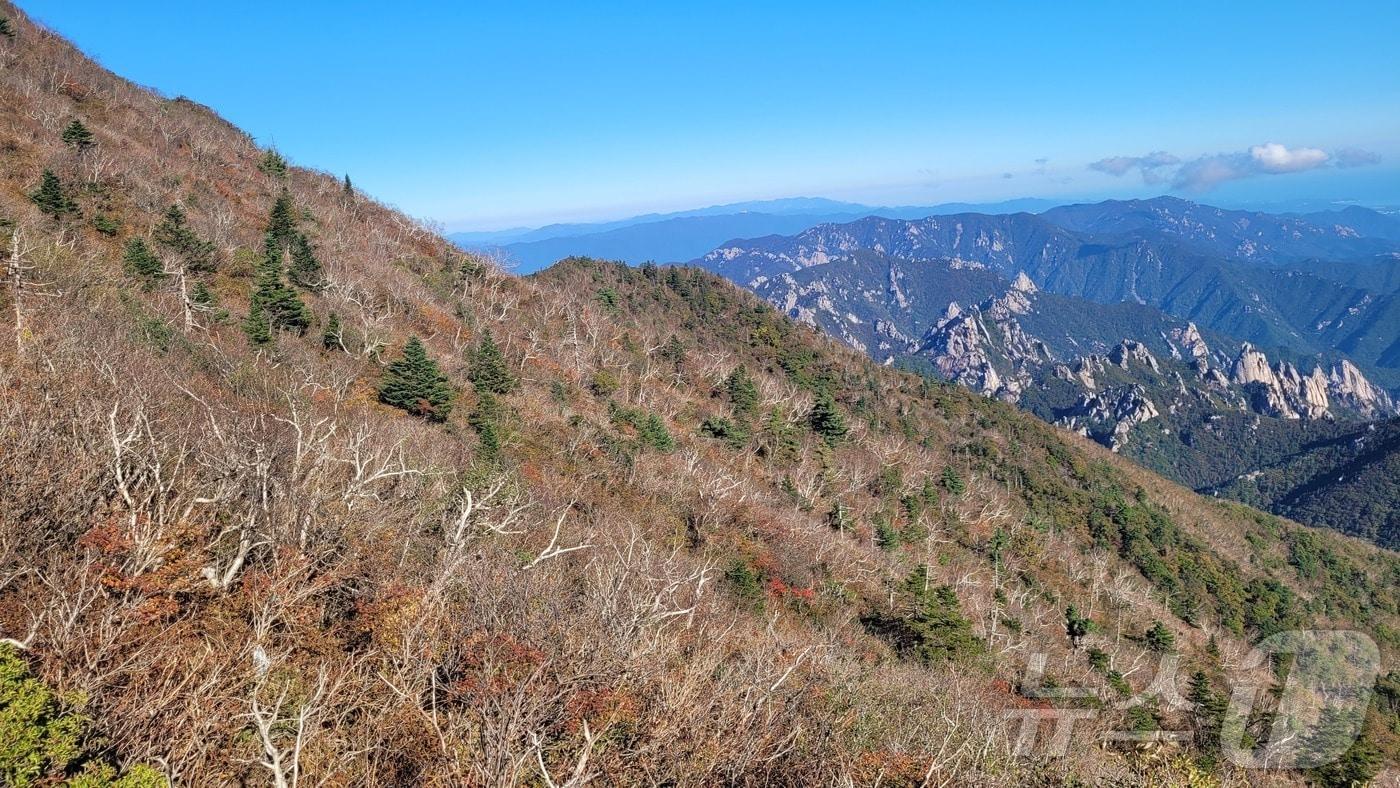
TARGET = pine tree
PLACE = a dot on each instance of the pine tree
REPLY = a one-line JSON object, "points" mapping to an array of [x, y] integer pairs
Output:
{"points": [[201, 296], [934, 630], [653, 433], [416, 384], [76, 135], [1345, 753], [347, 188], [489, 371], [51, 198], [6, 29], [305, 270], [332, 337], [140, 261], [175, 234], [743, 392], [826, 419], [886, 535], [280, 304]]}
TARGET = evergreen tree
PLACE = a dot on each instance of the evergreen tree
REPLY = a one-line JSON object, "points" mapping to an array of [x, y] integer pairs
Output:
{"points": [[1076, 626], [1345, 754], [1159, 638], [76, 135], [332, 337], [140, 261], [826, 419], [934, 630], [653, 433], [6, 29], [838, 518], [175, 234], [347, 188], [674, 352], [743, 392], [952, 482], [305, 270], [282, 307], [273, 164], [486, 419], [416, 384], [257, 326], [886, 535], [1208, 708], [51, 198], [282, 221], [201, 296], [489, 371]]}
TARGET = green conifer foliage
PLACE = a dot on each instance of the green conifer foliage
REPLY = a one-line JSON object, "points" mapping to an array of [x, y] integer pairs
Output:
{"points": [[51, 198], [952, 482], [742, 391], [76, 135], [1159, 638], [257, 326], [282, 221], [826, 419], [305, 270], [933, 630], [279, 303], [6, 29], [1076, 626], [416, 384], [273, 164], [175, 234], [489, 372], [141, 261], [486, 420]]}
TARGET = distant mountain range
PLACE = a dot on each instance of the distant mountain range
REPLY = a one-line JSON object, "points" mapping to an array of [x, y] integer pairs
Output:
{"points": [[1203, 343], [683, 235]]}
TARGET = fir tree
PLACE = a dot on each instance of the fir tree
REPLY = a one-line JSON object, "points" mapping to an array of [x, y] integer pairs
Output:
{"points": [[1159, 638], [284, 310], [416, 384], [886, 535], [305, 270], [347, 188], [1345, 754], [653, 433], [1208, 707], [175, 234], [826, 419], [51, 198], [257, 326], [486, 419], [6, 29], [140, 261], [202, 297], [282, 221], [489, 371], [332, 337], [76, 135], [934, 630], [743, 392], [273, 164]]}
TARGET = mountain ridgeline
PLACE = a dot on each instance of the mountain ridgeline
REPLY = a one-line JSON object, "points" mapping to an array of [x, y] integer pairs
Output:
{"points": [[296, 491], [1140, 324]]}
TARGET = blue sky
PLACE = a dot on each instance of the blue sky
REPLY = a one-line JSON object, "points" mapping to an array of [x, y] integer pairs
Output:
{"points": [[489, 115]]}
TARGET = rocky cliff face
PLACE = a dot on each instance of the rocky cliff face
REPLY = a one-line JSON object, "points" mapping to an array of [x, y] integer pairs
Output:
{"points": [[1282, 391]]}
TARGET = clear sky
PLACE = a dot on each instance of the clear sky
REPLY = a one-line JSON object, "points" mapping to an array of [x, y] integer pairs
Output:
{"points": [[483, 115]]}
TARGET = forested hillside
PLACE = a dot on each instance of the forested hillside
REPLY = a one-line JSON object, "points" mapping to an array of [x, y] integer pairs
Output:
{"points": [[295, 492]]}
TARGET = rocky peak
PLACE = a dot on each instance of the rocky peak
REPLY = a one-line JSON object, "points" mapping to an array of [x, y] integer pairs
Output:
{"points": [[1132, 350], [1190, 341], [1352, 389], [1114, 411], [1252, 366], [1023, 284]]}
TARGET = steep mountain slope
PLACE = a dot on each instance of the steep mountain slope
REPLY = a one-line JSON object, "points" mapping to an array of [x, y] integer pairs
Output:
{"points": [[1350, 481], [596, 553]]}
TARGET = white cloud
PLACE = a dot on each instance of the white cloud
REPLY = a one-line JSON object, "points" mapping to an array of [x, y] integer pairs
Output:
{"points": [[1273, 157], [1207, 172]]}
